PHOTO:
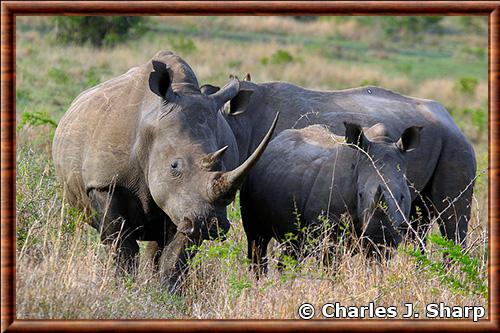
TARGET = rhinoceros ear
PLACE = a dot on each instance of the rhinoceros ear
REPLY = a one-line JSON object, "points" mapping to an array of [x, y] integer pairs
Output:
{"points": [[208, 89], [354, 135], [160, 80], [410, 139], [247, 77], [240, 102]]}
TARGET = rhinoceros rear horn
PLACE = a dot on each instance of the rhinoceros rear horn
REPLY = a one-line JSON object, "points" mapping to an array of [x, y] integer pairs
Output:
{"points": [[212, 159], [226, 93], [230, 181], [160, 80], [208, 89]]}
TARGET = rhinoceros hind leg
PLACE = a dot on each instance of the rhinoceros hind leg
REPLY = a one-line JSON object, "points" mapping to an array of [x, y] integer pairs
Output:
{"points": [[451, 194]]}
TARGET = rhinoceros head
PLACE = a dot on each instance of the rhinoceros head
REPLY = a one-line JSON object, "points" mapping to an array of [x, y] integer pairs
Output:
{"points": [[383, 195], [188, 142]]}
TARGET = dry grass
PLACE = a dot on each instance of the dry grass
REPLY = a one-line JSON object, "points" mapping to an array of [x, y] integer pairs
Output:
{"points": [[64, 272]]}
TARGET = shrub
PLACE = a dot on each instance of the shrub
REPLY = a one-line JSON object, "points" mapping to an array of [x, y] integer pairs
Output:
{"points": [[467, 277], [36, 118], [467, 85], [281, 57], [98, 30]]}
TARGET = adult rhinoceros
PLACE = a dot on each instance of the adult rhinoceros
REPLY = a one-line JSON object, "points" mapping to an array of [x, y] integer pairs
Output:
{"points": [[440, 172], [145, 151]]}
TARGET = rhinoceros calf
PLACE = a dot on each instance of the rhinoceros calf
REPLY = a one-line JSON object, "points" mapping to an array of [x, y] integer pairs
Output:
{"points": [[310, 172], [148, 152], [441, 171]]}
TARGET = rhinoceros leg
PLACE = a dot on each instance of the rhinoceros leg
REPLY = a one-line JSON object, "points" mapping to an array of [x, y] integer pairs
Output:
{"points": [[257, 253], [452, 197], [152, 255], [257, 238], [422, 212], [451, 193], [174, 261], [111, 219], [154, 249]]}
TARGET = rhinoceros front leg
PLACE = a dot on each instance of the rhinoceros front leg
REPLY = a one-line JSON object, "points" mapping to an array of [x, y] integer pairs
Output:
{"points": [[152, 255], [174, 261], [112, 223]]}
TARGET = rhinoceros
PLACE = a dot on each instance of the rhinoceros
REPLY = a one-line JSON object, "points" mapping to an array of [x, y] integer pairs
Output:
{"points": [[149, 154], [440, 172], [308, 175]]}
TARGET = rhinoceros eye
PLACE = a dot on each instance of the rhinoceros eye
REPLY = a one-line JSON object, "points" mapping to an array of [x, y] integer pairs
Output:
{"points": [[175, 168]]}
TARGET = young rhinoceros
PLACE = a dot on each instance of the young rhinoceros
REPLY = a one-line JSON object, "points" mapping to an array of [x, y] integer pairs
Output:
{"points": [[309, 172]]}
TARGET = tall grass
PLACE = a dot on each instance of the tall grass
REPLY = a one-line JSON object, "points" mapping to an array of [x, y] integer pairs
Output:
{"points": [[63, 271]]}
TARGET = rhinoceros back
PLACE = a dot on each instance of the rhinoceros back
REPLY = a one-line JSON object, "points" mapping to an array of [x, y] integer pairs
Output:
{"points": [[93, 139], [287, 173]]}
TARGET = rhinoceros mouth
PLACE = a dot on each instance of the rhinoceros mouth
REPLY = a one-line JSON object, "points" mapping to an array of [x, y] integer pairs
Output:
{"points": [[201, 228]]}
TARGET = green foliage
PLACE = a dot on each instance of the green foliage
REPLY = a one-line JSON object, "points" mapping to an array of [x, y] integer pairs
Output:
{"points": [[467, 277], [369, 82], [183, 45], [405, 68], [238, 284], [36, 118], [281, 57], [92, 77], [23, 97], [32, 172], [478, 116], [230, 253], [58, 75], [233, 210], [467, 85], [98, 30]]}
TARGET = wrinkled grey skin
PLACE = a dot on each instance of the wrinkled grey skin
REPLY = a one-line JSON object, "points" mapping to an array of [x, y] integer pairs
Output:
{"points": [[310, 172], [146, 151], [440, 171]]}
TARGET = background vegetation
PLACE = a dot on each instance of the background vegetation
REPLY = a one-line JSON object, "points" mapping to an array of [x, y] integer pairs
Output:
{"points": [[64, 272]]}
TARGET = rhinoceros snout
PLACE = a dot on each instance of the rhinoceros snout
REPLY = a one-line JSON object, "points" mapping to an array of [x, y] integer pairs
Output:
{"points": [[212, 228], [189, 227], [218, 228]]}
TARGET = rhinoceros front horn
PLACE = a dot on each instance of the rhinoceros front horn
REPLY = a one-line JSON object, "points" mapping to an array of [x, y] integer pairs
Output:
{"points": [[226, 185]]}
